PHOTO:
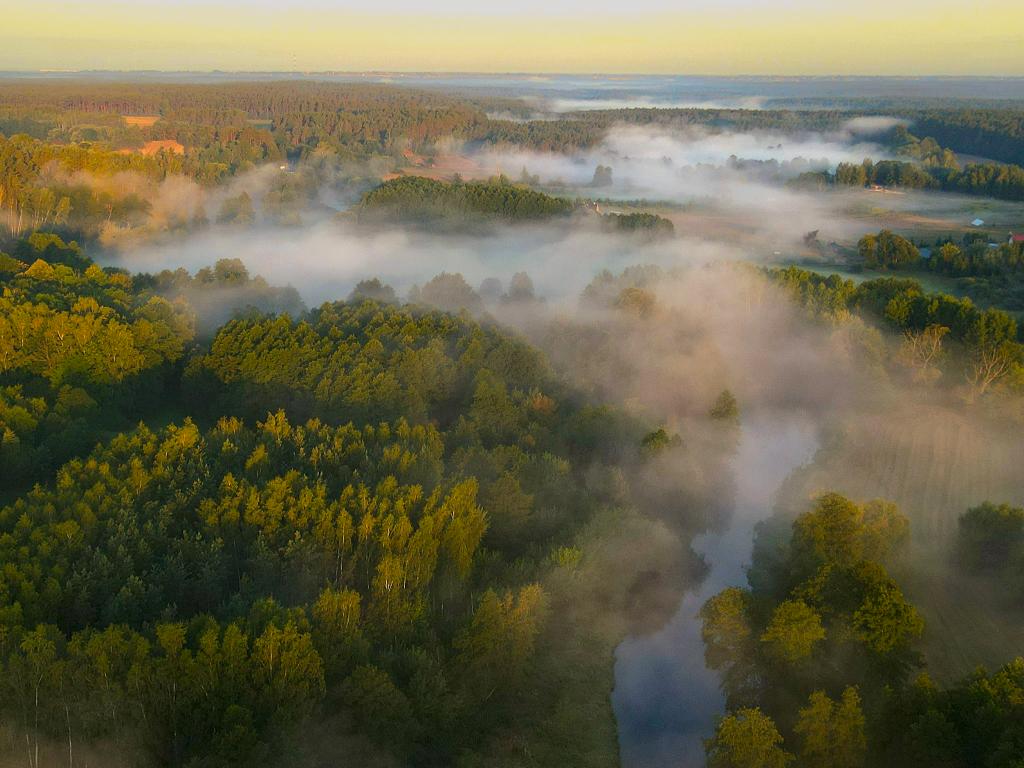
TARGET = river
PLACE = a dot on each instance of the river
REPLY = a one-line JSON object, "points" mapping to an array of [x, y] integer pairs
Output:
{"points": [[666, 700]]}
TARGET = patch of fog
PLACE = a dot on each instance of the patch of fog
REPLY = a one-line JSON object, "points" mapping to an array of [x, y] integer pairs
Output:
{"points": [[662, 161], [695, 167], [326, 260], [872, 124], [561, 105], [739, 174], [666, 700]]}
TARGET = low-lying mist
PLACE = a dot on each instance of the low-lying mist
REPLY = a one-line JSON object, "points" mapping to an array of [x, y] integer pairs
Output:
{"points": [[325, 261], [324, 257], [722, 186], [563, 104], [641, 150]]}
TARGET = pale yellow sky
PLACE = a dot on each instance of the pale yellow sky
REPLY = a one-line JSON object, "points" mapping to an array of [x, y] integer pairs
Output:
{"points": [[909, 37]]}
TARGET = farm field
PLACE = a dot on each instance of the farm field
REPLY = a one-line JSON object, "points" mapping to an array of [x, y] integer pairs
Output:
{"points": [[935, 464], [924, 216], [141, 121], [968, 621]]}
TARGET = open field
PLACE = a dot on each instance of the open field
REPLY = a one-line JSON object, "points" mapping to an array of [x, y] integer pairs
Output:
{"points": [[934, 463], [931, 460], [928, 215], [442, 168], [141, 121], [967, 622]]}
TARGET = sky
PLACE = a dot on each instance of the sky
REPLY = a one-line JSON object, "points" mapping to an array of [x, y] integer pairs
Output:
{"points": [[727, 37]]}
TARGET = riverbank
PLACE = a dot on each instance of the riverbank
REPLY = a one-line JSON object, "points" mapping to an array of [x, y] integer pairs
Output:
{"points": [[666, 700]]}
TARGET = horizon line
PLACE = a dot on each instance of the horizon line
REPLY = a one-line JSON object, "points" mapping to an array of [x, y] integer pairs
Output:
{"points": [[509, 73]]}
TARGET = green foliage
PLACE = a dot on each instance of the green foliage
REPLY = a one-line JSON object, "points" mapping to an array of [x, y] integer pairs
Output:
{"points": [[379, 558], [602, 176], [637, 302], [726, 408], [728, 634], [885, 622], [887, 250], [494, 648], [381, 709], [839, 531], [988, 352], [844, 619], [990, 541], [747, 739], [648, 224], [51, 249], [979, 721], [935, 168], [832, 733], [218, 293], [369, 362], [977, 258], [79, 351], [447, 292], [794, 630], [414, 199], [35, 197], [822, 613], [237, 210], [658, 441], [359, 528], [203, 691], [374, 290]]}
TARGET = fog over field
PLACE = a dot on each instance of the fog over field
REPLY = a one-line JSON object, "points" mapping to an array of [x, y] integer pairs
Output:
{"points": [[650, 157], [672, 166]]}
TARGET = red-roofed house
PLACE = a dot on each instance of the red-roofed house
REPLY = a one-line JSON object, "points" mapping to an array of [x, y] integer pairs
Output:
{"points": [[1016, 239]]}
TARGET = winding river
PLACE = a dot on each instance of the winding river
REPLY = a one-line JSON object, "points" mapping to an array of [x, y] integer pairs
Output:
{"points": [[666, 700]]}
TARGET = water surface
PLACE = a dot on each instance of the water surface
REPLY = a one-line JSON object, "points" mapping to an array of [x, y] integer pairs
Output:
{"points": [[666, 700]]}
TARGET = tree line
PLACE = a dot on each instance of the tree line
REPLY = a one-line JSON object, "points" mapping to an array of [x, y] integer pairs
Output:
{"points": [[419, 200], [422, 201], [986, 352], [1003, 182]]}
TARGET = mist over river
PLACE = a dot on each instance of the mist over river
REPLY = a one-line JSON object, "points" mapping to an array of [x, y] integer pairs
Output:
{"points": [[666, 700]]}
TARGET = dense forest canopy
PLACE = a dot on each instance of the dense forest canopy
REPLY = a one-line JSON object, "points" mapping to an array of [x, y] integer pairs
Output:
{"points": [[81, 350], [364, 513], [382, 545], [415, 199], [422, 201]]}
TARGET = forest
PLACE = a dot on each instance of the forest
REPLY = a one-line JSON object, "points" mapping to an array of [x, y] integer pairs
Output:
{"points": [[359, 512], [113, 162], [455, 205], [1005, 182], [418, 200], [443, 516]]}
